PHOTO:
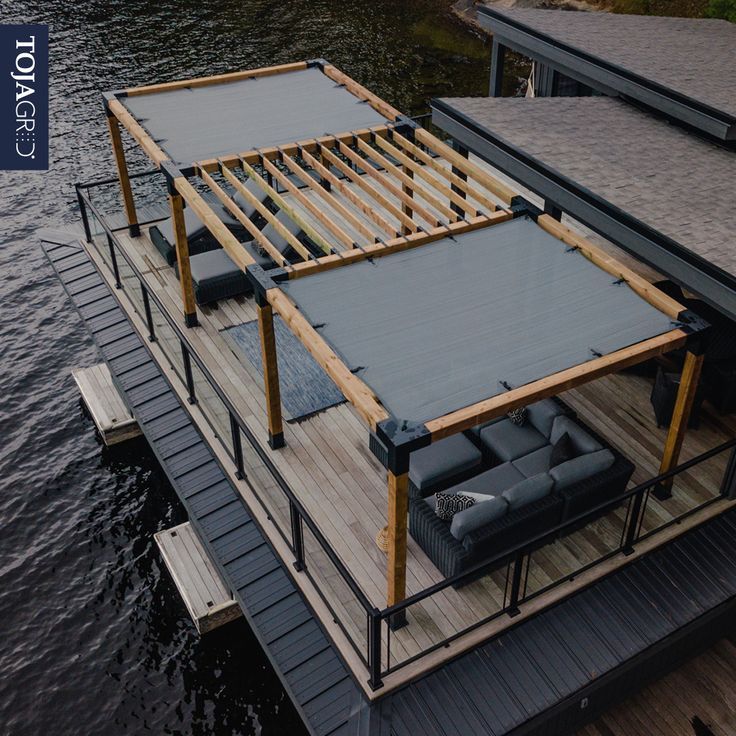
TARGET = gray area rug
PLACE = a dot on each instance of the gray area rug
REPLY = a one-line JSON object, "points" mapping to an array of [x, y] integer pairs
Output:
{"points": [[305, 387]]}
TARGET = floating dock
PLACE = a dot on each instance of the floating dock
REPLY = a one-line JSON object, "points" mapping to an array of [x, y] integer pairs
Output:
{"points": [[113, 419], [207, 598]]}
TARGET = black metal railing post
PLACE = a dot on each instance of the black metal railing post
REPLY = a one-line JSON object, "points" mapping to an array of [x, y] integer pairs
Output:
{"points": [[374, 649], [114, 259], [237, 447], [192, 398], [513, 609], [149, 315], [297, 537], [632, 531], [83, 213]]}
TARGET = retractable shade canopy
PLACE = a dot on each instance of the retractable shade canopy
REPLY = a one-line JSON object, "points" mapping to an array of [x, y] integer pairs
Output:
{"points": [[440, 327], [201, 122]]}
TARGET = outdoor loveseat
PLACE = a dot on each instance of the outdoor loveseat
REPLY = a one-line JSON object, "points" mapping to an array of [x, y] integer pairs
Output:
{"points": [[519, 496]]}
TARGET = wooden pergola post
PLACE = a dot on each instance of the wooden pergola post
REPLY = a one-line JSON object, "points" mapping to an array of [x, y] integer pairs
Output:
{"points": [[680, 416], [122, 167], [182, 258], [398, 509], [269, 361]]}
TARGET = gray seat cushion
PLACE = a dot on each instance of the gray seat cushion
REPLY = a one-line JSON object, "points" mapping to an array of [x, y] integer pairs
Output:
{"points": [[192, 224], [528, 491], [542, 415], [581, 440], [477, 516], [243, 203], [581, 468], [507, 441], [261, 257], [279, 241], [535, 462], [442, 460], [480, 427], [492, 483], [215, 277]]}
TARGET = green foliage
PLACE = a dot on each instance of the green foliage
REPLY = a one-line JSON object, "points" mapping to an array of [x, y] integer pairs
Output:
{"points": [[722, 9]]}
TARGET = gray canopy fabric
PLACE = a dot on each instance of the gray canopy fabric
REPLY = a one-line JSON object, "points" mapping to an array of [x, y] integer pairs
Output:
{"points": [[197, 123], [445, 325]]}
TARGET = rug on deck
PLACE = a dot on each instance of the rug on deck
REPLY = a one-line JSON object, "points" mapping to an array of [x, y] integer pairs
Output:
{"points": [[305, 387]]}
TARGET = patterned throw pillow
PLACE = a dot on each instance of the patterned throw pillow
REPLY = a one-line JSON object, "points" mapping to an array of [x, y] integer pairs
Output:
{"points": [[449, 504], [518, 416]]}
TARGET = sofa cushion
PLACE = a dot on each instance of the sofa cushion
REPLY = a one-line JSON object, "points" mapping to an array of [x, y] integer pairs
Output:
{"points": [[478, 516], [442, 460], [581, 440], [491, 483], [528, 490], [480, 427], [580, 468], [562, 451], [446, 505], [278, 240], [507, 441], [243, 203], [543, 413], [261, 257], [535, 462], [192, 224], [215, 276]]}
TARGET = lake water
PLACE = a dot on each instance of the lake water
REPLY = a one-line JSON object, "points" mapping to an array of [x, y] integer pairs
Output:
{"points": [[93, 637]]}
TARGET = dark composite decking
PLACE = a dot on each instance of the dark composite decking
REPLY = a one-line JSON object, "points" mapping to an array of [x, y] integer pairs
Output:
{"points": [[547, 675]]}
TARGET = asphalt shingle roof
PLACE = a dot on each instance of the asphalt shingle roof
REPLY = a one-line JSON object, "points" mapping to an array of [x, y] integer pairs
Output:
{"points": [[694, 57], [675, 182]]}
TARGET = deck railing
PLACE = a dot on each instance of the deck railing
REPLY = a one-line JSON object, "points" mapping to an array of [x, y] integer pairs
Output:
{"points": [[373, 647]]}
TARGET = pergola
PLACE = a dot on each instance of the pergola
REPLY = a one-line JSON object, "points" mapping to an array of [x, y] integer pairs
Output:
{"points": [[432, 308]]}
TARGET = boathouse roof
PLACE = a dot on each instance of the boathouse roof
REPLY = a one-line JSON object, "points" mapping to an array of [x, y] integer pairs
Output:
{"points": [[682, 66]]}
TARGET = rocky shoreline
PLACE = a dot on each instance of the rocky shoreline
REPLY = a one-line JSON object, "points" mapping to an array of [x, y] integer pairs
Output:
{"points": [[465, 9]]}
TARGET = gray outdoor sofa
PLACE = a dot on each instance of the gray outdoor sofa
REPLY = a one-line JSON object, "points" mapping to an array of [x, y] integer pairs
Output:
{"points": [[519, 496]]}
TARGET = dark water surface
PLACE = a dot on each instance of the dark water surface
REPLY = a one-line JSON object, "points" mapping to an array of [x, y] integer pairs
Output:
{"points": [[93, 638]]}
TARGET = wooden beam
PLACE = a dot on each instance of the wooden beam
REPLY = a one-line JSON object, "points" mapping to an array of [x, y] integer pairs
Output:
{"points": [[444, 171], [360, 91], [388, 185], [232, 246], [658, 299], [405, 208], [422, 172], [407, 181], [269, 361], [134, 128], [281, 203], [680, 416], [354, 390], [117, 148], [309, 205], [348, 193], [243, 219], [497, 187], [368, 188], [332, 201], [398, 508], [496, 406], [182, 259], [395, 245], [217, 79]]}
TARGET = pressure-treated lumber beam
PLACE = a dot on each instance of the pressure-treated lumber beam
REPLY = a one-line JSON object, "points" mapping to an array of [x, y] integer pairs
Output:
{"points": [[309, 205], [281, 203], [348, 193], [454, 179], [243, 219], [269, 361], [218, 79], [409, 191], [122, 167], [680, 416], [398, 507], [648, 292], [369, 189], [360, 91], [493, 185], [395, 245], [354, 390], [134, 128], [332, 201], [496, 406], [182, 260]]}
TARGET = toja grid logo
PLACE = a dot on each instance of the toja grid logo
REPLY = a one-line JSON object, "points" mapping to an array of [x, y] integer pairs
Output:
{"points": [[24, 97]]}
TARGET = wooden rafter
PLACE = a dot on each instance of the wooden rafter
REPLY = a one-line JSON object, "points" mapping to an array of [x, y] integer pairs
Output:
{"points": [[379, 105], [133, 127]]}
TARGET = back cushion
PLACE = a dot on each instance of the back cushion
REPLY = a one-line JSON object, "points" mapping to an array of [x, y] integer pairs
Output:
{"points": [[581, 440], [477, 516], [528, 491], [542, 414], [581, 468]]}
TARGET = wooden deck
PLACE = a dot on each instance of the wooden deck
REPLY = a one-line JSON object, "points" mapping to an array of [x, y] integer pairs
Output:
{"points": [[328, 465]]}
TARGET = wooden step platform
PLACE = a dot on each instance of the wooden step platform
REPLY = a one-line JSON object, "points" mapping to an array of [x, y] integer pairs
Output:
{"points": [[111, 416], [208, 601]]}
